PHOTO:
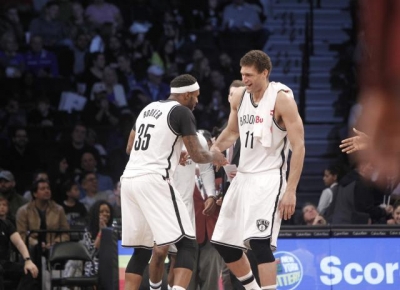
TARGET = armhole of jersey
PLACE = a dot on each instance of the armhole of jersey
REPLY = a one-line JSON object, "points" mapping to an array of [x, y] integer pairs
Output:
{"points": [[241, 100], [169, 120]]}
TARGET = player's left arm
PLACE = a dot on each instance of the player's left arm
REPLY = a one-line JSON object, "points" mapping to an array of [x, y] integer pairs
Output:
{"points": [[287, 111], [130, 142]]}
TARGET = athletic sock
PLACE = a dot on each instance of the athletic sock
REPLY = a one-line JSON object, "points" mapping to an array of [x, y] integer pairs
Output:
{"points": [[270, 287], [249, 282], [155, 286], [178, 288]]}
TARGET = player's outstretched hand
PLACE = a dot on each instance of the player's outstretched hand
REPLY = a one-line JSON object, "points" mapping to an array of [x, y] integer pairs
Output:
{"points": [[356, 143], [218, 159], [209, 206]]}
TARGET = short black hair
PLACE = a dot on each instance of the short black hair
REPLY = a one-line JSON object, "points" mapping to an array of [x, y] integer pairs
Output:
{"points": [[183, 81]]}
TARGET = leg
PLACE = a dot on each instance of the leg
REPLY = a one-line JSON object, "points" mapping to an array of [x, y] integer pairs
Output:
{"points": [[266, 262], [135, 268], [238, 263], [156, 268], [172, 259], [184, 262]]}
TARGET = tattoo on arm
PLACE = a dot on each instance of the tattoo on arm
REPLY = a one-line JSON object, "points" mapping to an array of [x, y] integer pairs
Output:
{"points": [[196, 151]]}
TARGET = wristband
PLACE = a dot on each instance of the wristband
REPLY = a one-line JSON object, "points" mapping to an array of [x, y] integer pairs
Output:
{"points": [[213, 197], [27, 259]]}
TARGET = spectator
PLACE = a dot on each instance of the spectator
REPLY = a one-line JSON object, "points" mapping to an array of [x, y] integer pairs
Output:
{"points": [[127, 76], [311, 216], [78, 23], [12, 115], [355, 202], [212, 16], [101, 11], [41, 62], [42, 213], [11, 23], [38, 175], [94, 71], [89, 164], [100, 111], [331, 182], [76, 146], [115, 91], [43, 115], [91, 193], [153, 86], [80, 50], [23, 274], [395, 220], [114, 48], [92, 140], [21, 159], [52, 31], [7, 191], [11, 61], [74, 210]]}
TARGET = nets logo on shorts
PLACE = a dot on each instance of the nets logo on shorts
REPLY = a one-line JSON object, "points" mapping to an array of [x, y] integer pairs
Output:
{"points": [[262, 225], [289, 270]]}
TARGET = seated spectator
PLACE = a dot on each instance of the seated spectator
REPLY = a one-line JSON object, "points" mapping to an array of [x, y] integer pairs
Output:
{"points": [[92, 140], [100, 111], [90, 191], [115, 91], [114, 48], [74, 148], [23, 273], [94, 71], [8, 192], [12, 24], [43, 115], [12, 115], [78, 24], [311, 216], [80, 51], [127, 76], [355, 202], [11, 60], [153, 86], [74, 210], [101, 11], [38, 175], [40, 62], [42, 213], [21, 158], [89, 164], [52, 31], [330, 180], [395, 220]]}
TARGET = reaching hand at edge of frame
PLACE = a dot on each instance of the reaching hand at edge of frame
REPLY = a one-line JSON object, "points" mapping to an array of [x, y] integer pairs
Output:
{"points": [[356, 143]]}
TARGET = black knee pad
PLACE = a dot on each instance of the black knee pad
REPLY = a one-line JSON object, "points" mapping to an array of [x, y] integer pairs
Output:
{"points": [[186, 253], [138, 261], [229, 254], [262, 251]]}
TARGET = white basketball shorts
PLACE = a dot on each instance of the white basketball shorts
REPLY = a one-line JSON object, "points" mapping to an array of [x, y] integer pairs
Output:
{"points": [[250, 210], [152, 212]]}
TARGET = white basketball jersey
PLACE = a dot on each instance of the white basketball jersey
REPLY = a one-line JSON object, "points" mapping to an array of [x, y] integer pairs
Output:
{"points": [[253, 156], [156, 148]]}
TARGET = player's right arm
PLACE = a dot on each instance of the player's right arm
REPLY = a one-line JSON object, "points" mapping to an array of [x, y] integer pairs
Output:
{"points": [[130, 142], [231, 133], [199, 155]]}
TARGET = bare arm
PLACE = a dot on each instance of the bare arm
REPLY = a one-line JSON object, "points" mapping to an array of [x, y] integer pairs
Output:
{"points": [[359, 142], [197, 153], [287, 110], [231, 133], [23, 250], [130, 142]]}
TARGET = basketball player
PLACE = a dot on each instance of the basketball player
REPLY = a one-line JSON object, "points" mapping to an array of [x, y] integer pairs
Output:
{"points": [[153, 214], [264, 114]]}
